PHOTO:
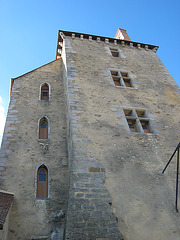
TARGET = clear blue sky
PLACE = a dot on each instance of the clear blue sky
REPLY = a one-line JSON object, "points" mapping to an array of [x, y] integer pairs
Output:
{"points": [[28, 31]]}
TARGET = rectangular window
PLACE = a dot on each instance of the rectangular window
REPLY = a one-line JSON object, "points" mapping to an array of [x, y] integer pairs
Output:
{"points": [[126, 79], [137, 120], [128, 113], [141, 114], [127, 82], [145, 126], [121, 78], [132, 125], [116, 78], [114, 52]]}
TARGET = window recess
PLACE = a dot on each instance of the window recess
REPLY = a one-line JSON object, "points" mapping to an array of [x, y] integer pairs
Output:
{"points": [[132, 125], [121, 78], [116, 78], [45, 92], [145, 125], [43, 128], [114, 52], [42, 182], [137, 120]]}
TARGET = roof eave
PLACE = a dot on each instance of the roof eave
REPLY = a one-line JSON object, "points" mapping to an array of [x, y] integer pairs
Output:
{"points": [[94, 37]]}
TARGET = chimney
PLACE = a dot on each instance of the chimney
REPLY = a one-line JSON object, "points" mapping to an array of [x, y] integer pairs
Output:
{"points": [[122, 34]]}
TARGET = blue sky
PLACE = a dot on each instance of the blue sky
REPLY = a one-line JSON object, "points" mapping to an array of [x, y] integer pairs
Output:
{"points": [[28, 31]]}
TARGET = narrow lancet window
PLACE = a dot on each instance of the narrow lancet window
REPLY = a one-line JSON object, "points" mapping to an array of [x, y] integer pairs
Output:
{"points": [[43, 129], [45, 92], [42, 182]]}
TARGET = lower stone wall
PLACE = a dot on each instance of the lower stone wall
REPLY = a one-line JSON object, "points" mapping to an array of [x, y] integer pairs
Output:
{"points": [[22, 154], [89, 215]]}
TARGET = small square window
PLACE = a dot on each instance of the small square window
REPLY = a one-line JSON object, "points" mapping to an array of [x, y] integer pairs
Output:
{"points": [[121, 79], [145, 126], [116, 78], [127, 82], [117, 81], [141, 114], [137, 120], [128, 113], [114, 52], [114, 73], [126, 79], [132, 125], [124, 74]]}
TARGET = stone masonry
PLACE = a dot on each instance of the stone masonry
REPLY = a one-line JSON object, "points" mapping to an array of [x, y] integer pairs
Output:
{"points": [[22, 153], [105, 181], [105, 155], [88, 214]]}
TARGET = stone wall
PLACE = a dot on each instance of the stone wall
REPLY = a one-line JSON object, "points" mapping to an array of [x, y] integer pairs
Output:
{"points": [[88, 214], [113, 169], [110, 176], [22, 153]]}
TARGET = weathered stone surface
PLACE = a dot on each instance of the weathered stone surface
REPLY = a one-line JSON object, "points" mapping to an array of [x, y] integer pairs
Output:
{"points": [[140, 197], [115, 188], [22, 153]]}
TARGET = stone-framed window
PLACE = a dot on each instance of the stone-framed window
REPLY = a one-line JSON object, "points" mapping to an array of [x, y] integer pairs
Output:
{"points": [[42, 182], [121, 78], [138, 120], [114, 51], [44, 92], [43, 128]]}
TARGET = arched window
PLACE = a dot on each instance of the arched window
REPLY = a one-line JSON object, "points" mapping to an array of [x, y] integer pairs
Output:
{"points": [[42, 182], [45, 92], [43, 128]]}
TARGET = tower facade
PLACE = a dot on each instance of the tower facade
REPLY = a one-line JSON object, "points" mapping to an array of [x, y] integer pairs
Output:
{"points": [[86, 139]]}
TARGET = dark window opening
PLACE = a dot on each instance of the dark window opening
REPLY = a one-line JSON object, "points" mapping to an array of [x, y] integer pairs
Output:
{"points": [[124, 74], [141, 114], [126, 79], [117, 82], [42, 182], [132, 125], [127, 82], [43, 129], [116, 78], [145, 126], [121, 79], [128, 112], [114, 52], [45, 92], [137, 120], [114, 73]]}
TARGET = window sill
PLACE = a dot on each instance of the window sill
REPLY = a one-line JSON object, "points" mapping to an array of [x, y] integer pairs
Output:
{"points": [[126, 87], [145, 134], [43, 140], [42, 198]]}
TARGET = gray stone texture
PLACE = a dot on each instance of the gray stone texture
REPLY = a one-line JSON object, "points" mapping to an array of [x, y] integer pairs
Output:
{"points": [[24, 153], [132, 187], [105, 182]]}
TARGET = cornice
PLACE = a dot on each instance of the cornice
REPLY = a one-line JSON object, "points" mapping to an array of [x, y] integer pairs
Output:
{"points": [[62, 35]]}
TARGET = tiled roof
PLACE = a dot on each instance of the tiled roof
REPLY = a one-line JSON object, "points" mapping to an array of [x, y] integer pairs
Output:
{"points": [[6, 199]]}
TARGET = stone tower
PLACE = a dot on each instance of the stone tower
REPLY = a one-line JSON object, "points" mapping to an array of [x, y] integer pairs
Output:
{"points": [[86, 139]]}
